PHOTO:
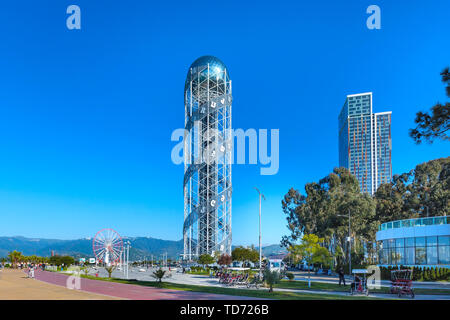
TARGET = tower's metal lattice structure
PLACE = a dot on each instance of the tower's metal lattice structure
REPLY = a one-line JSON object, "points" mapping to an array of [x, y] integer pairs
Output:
{"points": [[208, 155]]}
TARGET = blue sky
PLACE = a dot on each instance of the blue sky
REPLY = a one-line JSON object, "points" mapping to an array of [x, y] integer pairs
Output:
{"points": [[86, 115]]}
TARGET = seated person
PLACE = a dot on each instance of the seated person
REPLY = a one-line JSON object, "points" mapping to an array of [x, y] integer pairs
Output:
{"points": [[356, 282]]}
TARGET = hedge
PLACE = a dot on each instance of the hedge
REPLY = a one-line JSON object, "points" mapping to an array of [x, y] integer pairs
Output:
{"points": [[419, 274]]}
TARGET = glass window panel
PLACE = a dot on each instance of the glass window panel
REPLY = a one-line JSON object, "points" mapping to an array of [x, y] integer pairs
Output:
{"points": [[409, 242], [391, 243], [385, 244], [421, 255], [399, 255], [392, 257], [444, 240], [385, 257], [432, 257], [406, 223], [431, 241], [396, 224], [409, 255], [444, 254], [439, 220], [399, 243], [420, 242]]}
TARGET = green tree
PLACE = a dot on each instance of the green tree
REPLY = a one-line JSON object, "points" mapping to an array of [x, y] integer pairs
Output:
{"points": [[205, 259], [245, 254], [393, 200], [323, 211], [435, 125], [271, 278], [311, 251], [60, 260], [430, 188], [238, 254], [424, 191]]}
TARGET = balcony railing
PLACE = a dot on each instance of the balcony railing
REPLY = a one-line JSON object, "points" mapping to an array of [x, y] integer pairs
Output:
{"points": [[414, 223]]}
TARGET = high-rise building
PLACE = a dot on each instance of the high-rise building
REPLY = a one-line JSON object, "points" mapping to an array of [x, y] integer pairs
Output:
{"points": [[207, 159], [365, 143]]}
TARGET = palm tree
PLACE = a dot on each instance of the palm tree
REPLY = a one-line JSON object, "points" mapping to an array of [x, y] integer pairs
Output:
{"points": [[159, 274], [15, 257]]}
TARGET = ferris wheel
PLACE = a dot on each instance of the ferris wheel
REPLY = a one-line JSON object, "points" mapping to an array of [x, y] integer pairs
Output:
{"points": [[107, 246]]}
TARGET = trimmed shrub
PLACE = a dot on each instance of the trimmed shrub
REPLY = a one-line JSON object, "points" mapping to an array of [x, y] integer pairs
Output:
{"points": [[290, 276]]}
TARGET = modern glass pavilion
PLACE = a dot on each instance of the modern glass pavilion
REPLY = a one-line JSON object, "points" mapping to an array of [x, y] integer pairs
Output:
{"points": [[415, 242], [208, 151]]}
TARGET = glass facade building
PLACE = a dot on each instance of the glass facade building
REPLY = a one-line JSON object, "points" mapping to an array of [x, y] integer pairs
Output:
{"points": [[415, 242], [365, 142]]}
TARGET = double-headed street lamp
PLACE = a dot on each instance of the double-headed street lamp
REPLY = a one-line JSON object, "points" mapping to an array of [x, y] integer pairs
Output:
{"points": [[260, 248], [349, 239]]}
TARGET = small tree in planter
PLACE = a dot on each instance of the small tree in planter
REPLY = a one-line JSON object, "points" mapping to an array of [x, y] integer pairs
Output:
{"points": [[271, 278], [110, 270], [85, 270], [159, 274], [290, 276]]}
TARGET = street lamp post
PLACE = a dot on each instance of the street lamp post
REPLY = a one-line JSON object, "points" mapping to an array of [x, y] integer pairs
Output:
{"points": [[128, 257], [260, 248]]}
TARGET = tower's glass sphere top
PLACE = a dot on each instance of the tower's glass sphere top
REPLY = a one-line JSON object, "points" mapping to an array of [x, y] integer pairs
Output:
{"points": [[216, 66], [214, 63]]}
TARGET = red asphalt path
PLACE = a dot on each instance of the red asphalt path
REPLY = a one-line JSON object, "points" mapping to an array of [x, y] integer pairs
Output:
{"points": [[130, 291]]}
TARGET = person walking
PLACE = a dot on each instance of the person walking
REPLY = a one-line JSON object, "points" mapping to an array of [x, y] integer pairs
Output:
{"points": [[30, 272], [341, 276]]}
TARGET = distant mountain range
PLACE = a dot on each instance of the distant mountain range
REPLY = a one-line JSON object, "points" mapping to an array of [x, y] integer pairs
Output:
{"points": [[140, 247]]}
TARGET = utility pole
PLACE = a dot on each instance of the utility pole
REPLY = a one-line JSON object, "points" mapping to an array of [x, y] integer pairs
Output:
{"points": [[260, 248]]}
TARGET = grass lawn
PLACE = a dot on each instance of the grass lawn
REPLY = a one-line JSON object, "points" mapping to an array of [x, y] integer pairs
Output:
{"points": [[232, 291], [303, 285], [201, 273]]}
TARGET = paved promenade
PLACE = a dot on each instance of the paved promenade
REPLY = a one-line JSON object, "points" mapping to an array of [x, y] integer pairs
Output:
{"points": [[134, 292], [14, 285]]}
